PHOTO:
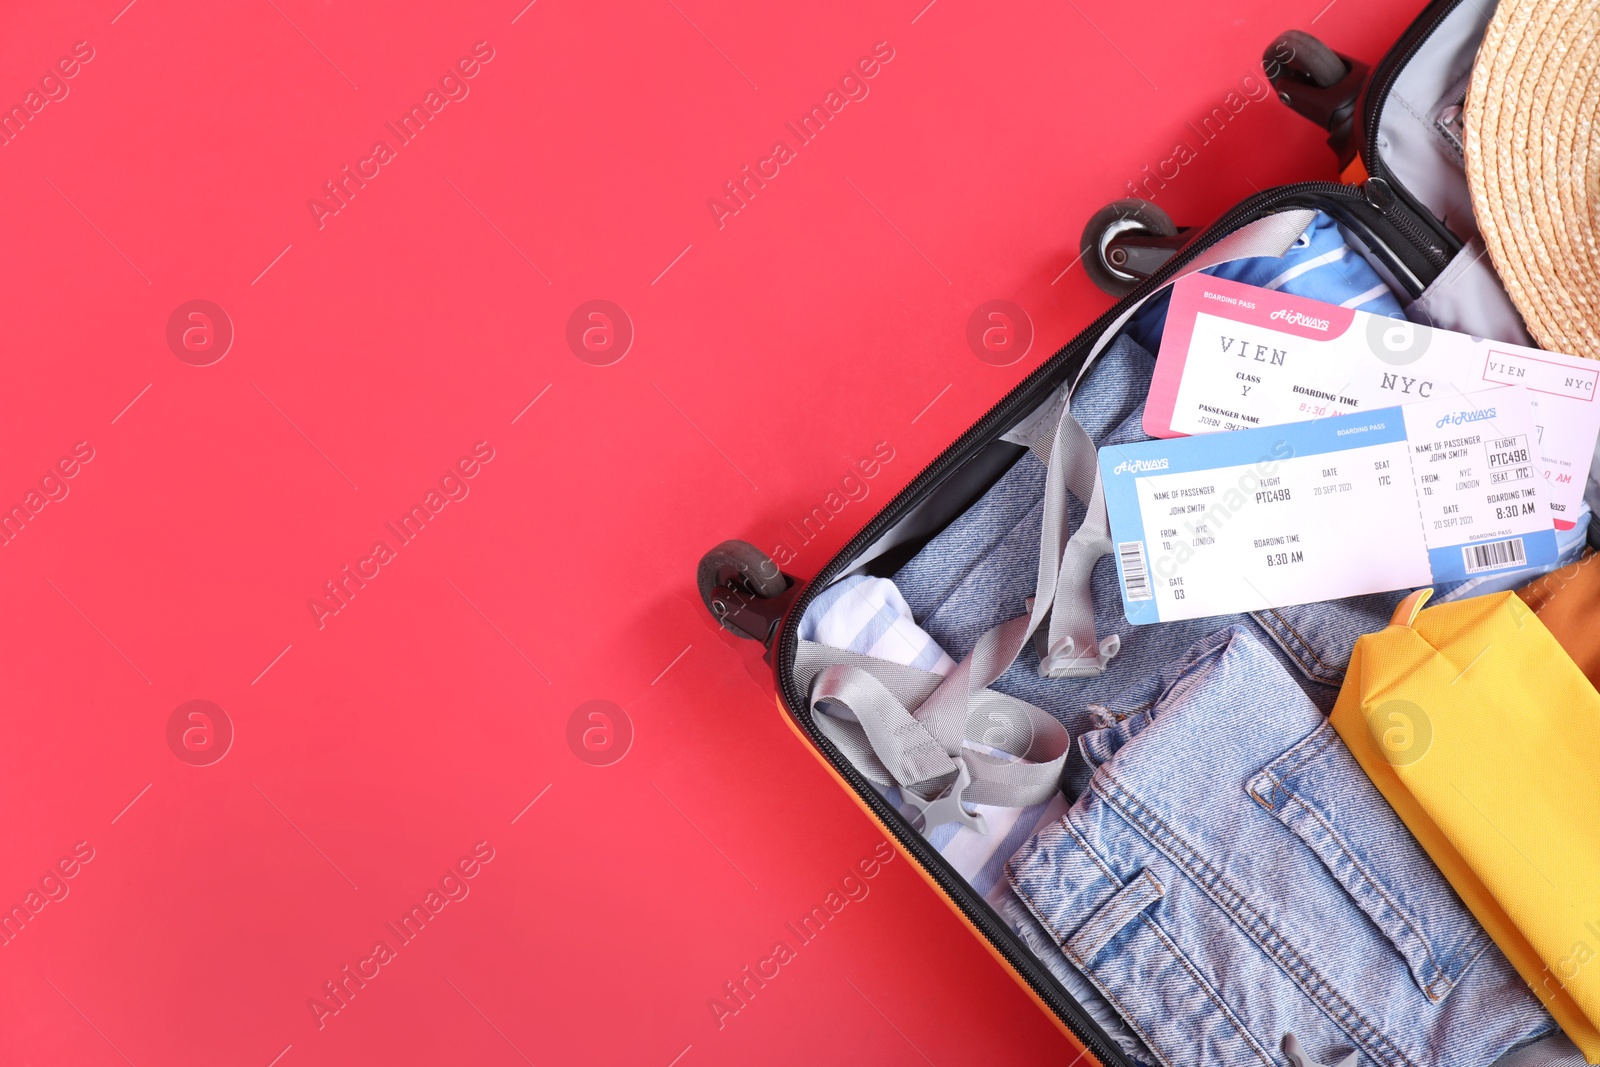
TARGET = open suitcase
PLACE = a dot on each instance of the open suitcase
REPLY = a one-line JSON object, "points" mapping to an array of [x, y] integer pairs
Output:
{"points": [[1405, 209]]}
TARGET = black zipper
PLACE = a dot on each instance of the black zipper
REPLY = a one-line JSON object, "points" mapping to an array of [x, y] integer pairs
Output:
{"points": [[1405, 211], [1407, 218], [1346, 202]]}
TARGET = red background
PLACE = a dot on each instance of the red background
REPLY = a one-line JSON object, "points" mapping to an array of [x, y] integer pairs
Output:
{"points": [[370, 353]]}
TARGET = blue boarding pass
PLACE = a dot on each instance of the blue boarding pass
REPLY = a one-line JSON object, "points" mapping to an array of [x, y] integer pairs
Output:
{"points": [[1396, 498]]}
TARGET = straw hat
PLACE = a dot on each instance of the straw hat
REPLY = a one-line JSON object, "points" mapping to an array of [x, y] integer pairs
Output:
{"points": [[1533, 164]]}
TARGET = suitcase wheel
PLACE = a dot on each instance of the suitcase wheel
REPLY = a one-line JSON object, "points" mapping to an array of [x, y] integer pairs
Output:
{"points": [[744, 590], [1319, 84], [1303, 57], [1125, 242]]}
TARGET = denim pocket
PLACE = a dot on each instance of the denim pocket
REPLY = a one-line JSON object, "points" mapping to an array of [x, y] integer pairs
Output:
{"points": [[1318, 791], [1119, 934]]}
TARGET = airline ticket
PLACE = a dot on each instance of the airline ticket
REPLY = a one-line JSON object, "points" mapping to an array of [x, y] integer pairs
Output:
{"points": [[1396, 498], [1235, 356]]}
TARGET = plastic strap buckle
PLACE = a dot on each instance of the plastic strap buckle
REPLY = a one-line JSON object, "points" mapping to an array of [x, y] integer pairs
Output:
{"points": [[947, 806], [1065, 660]]}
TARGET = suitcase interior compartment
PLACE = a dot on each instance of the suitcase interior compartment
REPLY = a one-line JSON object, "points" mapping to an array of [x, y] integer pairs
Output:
{"points": [[1412, 146], [1415, 141], [1415, 113]]}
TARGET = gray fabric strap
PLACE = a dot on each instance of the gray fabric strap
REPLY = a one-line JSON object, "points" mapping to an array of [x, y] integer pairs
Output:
{"points": [[852, 700], [871, 710], [931, 742], [948, 708], [909, 684], [1068, 647]]}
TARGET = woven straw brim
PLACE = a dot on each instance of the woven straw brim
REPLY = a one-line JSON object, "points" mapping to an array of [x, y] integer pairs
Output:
{"points": [[1533, 164]]}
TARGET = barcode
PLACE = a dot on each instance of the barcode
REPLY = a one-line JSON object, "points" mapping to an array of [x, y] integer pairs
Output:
{"points": [[1135, 578], [1493, 554]]}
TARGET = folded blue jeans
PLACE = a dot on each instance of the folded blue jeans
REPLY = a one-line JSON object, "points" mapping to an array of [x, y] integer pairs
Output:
{"points": [[1230, 875]]}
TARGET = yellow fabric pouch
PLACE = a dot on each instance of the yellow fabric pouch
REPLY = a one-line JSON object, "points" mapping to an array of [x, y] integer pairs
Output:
{"points": [[1485, 738]]}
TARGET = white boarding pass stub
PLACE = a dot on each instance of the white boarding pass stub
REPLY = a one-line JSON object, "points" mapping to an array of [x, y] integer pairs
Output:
{"points": [[1235, 356], [1396, 498]]}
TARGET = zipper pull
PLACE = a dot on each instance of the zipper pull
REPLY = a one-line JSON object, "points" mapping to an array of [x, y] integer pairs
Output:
{"points": [[1378, 194], [1381, 195]]}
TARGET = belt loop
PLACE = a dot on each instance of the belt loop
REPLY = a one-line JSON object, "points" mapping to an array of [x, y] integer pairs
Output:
{"points": [[1110, 918]]}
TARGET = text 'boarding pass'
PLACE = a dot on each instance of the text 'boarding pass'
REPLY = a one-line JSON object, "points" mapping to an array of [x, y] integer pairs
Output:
{"points": [[1431, 492], [1236, 356]]}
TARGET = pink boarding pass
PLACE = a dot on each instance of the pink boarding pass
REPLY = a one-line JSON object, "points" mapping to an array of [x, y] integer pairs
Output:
{"points": [[1237, 356]]}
